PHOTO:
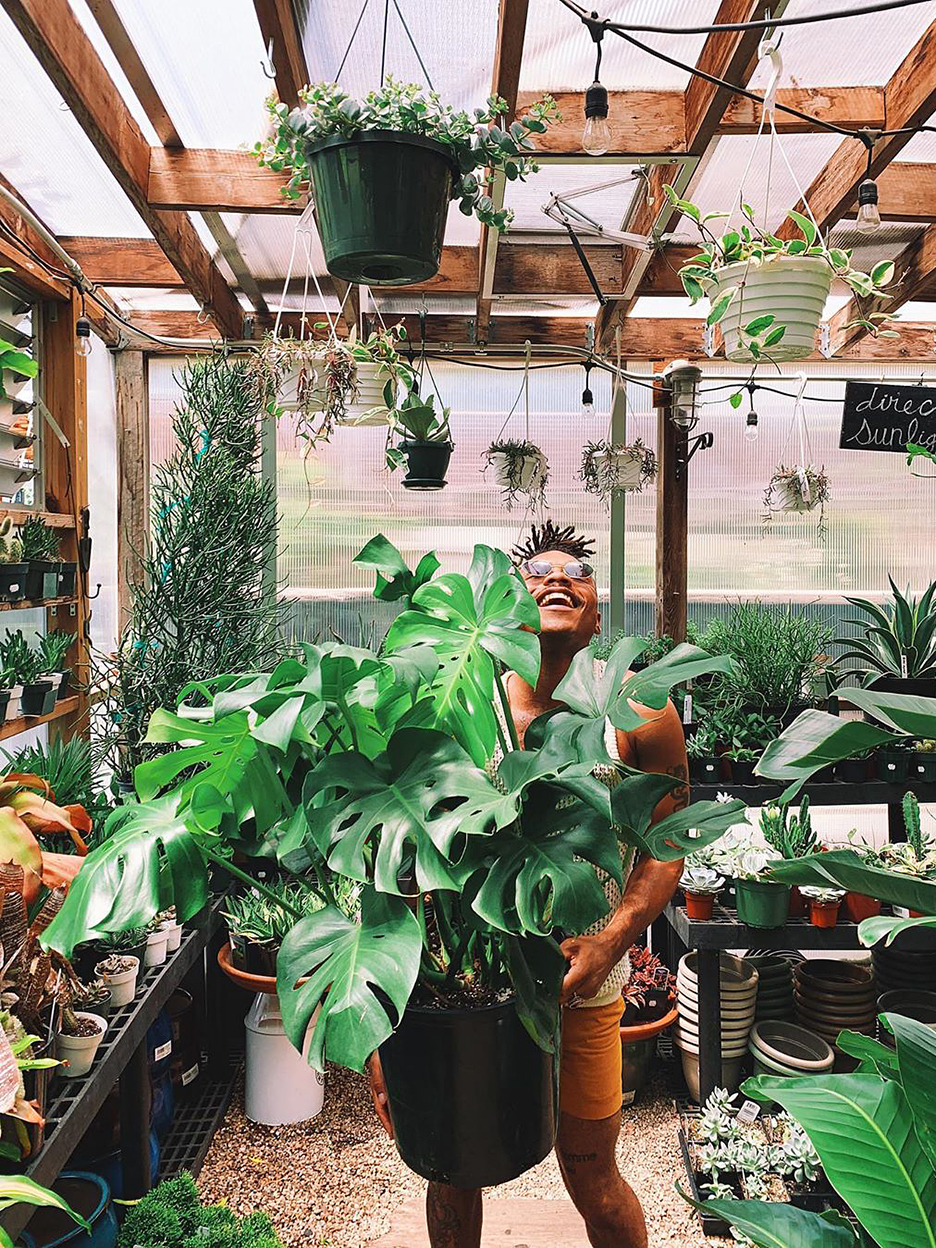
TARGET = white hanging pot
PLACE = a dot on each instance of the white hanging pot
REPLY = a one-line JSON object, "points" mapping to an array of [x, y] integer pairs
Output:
{"points": [[623, 469], [792, 289], [791, 499], [520, 474], [367, 405], [314, 396]]}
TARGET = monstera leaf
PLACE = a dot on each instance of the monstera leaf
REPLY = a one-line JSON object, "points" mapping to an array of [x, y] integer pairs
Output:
{"points": [[369, 815], [149, 861], [355, 971], [651, 687], [537, 967], [468, 633], [634, 800], [394, 579], [862, 1127], [772, 1224], [844, 868]]}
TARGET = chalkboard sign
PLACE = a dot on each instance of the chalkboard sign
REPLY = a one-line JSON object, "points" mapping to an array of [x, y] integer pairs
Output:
{"points": [[878, 417]]}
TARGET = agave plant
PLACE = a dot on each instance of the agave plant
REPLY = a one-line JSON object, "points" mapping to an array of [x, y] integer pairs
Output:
{"points": [[899, 639], [376, 767]]}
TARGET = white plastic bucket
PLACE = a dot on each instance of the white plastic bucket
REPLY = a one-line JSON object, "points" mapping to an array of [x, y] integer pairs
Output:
{"points": [[792, 289], [280, 1086]]}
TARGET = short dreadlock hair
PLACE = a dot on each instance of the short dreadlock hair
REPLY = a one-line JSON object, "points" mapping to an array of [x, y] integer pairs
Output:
{"points": [[550, 537]]}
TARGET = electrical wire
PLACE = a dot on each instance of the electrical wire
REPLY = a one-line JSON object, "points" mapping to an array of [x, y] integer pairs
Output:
{"points": [[881, 6]]}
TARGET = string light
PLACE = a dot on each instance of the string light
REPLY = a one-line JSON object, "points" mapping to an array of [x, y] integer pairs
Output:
{"points": [[82, 336], [597, 135], [750, 425], [588, 399]]}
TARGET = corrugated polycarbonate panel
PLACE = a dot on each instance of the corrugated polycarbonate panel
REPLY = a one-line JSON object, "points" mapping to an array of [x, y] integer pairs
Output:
{"points": [[456, 43], [47, 156], [206, 62], [559, 55]]}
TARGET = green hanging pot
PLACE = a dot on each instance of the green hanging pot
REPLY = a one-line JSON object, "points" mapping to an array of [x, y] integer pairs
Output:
{"points": [[761, 903], [381, 203]]}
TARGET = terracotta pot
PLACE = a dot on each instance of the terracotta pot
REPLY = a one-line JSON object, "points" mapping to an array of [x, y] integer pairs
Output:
{"points": [[859, 907], [823, 913], [797, 904], [243, 979], [699, 905]]}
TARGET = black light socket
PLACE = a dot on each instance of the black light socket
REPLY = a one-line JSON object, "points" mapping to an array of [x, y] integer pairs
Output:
{"points": [[867, 192], [596, 101]]}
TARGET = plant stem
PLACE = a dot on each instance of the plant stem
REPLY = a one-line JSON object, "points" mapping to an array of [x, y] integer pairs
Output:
{"points": [[505, 706], [261, 888]]}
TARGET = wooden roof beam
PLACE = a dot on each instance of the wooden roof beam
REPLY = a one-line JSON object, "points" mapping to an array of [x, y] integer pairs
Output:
{"points": [[63, 49], [915, 274], [283, 41]]}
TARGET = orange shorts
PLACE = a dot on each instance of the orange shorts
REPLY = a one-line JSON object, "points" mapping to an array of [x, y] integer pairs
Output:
{"points": [[590, 1064]]}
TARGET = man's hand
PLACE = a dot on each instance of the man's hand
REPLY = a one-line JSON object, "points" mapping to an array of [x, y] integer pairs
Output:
{"points": [[591, 960], [379, 1093]]}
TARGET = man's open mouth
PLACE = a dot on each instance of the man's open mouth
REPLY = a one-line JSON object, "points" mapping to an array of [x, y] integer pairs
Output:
{"points": [[556, 598]]}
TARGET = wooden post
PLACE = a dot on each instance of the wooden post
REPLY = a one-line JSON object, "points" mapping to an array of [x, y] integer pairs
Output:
{"points": [[618, 577], [64, 389], [671, 530], [133, 471]]}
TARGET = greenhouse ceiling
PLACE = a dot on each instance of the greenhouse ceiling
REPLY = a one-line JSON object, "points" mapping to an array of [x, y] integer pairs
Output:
{"points": [[128, 129]]}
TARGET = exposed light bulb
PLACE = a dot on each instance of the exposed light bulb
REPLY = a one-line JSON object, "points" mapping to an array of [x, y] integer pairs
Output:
{"points": [[82, 336], [588, 402], [750, 428], [597, 135], [869, 218]]}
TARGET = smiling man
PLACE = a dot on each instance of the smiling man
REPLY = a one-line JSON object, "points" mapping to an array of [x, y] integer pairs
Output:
{"points": [[553, 563]]}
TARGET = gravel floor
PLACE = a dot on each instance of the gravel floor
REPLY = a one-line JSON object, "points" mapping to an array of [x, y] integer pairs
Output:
{"points": [[334, 1182]]}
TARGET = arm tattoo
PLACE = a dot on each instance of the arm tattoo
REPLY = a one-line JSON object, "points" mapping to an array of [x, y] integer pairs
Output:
{"points": [[680, 795]]}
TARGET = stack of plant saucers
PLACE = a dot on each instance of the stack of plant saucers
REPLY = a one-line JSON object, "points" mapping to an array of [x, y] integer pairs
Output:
{"points": [[832, 996], [738, 981], [774, 987], [781, 1048]]}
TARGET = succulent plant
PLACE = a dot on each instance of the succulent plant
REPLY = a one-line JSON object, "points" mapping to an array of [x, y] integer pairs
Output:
{"points": [[40, 542], [11, 547], [815, 893], [702, 880]]}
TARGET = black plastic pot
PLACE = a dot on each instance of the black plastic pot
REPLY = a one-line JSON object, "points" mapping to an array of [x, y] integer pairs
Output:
{"points": [[892, 765], [428, 463], [64, 689], [13, 581], [852, 770], [923, 688], [381, 202], [42, 580], [473, 1100], [4, 703], [68, 573], [38, 698], [923, 767], [742, 770], [705, 770]]}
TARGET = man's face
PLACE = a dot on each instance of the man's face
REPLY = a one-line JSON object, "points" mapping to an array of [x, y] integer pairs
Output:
{"points": [[568, 606]]}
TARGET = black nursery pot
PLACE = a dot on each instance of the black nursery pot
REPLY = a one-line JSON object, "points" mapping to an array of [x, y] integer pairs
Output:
{"points": [[38, 698], [68, 573], [428, 463], [14, 578], [852, 770], [473, 1100], [742, 770], [42, 580], [705, 770]]}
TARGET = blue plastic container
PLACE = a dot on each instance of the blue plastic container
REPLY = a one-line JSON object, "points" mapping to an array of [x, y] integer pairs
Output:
{"points": [[109, 1166], [87, 1194]]}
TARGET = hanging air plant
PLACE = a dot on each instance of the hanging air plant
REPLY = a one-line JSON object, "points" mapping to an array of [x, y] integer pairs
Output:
{"points": [[797, 489], [607, 468], [522, 470]]}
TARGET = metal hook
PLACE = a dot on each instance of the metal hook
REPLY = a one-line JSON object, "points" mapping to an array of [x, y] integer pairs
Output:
{"points": [[267, 66], [96, 594], [202, 316]]}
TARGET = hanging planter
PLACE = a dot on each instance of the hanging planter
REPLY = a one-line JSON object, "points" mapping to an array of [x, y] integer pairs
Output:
{"points": [[607, 468], [426, 442], [799, 490], [521, 469], [383, 171]]}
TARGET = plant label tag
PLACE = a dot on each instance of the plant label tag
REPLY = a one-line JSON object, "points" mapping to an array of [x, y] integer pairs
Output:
{"points": [[903, 667], [687, 709], [189, 1075], [162, 1050], [748, 1111]]}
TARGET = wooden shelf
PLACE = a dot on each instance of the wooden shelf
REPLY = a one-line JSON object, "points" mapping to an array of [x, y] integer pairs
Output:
{"points": [[13, 727], [54, 519], [27, 604]]}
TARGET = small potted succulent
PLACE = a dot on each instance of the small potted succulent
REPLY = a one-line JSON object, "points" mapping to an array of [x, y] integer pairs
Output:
{"points": [[649, 1008], [701, 886], [37, 692], [78, 1037], [823, 904], [760, 901], [41, 552], [53, 647], [922, 764], [172, 928], [352, 151], [705, 765], [521, 469], [157, 940], [608, 468], [801, 488], [790, 836], [14, 571], [768, 294], [426, 442], [119, 972]]}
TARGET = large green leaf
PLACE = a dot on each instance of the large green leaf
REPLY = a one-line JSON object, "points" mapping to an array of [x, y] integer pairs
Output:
{"points": [[813, 741], [771, 1224], [16, 1189], [862, 1128], [844, 868], [651, 686], [355, 972], [149, 861], [916, 1059], [905, 713], [537, 967], [888, 927], [634, 800], [875, 1058], [468, 634], [369, 815], [394, 579]]}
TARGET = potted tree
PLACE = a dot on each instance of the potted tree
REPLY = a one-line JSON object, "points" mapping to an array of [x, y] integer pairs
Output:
{"points": [[768, 294], [521, 469], [426, 442], [607, 468], [369, 767], [351, 151]]}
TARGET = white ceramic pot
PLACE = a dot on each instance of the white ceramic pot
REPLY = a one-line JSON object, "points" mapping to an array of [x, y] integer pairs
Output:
{"points": [[13, 706], [530, 478], [173, 936], [122, 986], [156, 943], [79, 1051], [793, 289]]}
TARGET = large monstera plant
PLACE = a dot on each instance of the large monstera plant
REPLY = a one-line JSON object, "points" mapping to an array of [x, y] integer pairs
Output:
{"points": [[378, 767]]}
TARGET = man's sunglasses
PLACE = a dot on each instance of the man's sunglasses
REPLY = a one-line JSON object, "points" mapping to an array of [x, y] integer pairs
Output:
{"points": [[574, 569]]}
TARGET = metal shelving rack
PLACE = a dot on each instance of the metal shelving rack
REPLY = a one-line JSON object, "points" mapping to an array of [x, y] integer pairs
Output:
{"points": [[123, 1057]]}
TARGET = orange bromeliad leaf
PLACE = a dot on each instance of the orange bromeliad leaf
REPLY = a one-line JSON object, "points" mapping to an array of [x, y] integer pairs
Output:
{"points": [[17, 844], [42, 815]]}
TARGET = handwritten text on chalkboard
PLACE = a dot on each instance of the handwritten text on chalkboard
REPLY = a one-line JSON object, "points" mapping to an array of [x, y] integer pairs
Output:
{"points": [[879, 417]]}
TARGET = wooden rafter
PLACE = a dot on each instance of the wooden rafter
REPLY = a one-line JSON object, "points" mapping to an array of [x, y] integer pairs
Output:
{"points": [[729, 55], [282, 39], [511, 32], [66, 54], [915, 274], [909, 100]]}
